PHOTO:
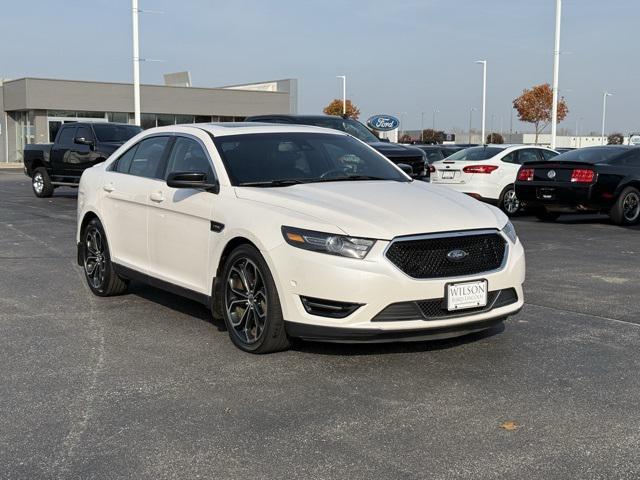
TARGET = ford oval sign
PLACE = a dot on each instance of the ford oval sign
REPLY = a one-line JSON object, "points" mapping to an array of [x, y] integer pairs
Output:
{"points": [[383, 123]]}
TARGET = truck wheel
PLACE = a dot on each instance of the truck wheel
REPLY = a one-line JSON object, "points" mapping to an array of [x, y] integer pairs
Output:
{"points": [[41, 183], [626, 210], [98, 269]]}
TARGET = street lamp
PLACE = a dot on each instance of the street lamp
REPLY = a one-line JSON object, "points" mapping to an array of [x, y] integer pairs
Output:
{"points": [[556, 72], [136, 63], [470, 120], [344, 93], [422, 126], [604, 112], [484, 94]]}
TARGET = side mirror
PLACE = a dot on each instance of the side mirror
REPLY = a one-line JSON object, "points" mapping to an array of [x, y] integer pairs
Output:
{"points": [[408, 169], [83, 141], [192, 180]]}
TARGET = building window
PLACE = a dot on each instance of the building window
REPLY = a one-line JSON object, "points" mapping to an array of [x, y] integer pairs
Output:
{"points": [[25, 132], [118, 117], [226, 119], [202, 118], [147, 120], [183, 119]]}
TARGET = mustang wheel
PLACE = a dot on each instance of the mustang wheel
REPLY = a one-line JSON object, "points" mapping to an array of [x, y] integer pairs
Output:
{"points": [[626, 210], [252, 311], [41, 183], [98, 269]]}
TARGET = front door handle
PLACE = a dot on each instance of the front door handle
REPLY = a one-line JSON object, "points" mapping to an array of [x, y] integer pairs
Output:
{"points": [[108, 187], [157, 197]]}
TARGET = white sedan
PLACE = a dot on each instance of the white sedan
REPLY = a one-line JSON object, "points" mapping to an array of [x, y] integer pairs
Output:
{"points": [[488, 172], [294, 231]]}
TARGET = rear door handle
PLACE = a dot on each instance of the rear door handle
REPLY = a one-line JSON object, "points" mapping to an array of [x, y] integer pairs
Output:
{"points": [[156, 197], [109, 187]]}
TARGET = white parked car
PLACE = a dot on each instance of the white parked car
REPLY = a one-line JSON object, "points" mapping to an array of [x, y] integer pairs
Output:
{"points": [[488, 172], [294, 231]]}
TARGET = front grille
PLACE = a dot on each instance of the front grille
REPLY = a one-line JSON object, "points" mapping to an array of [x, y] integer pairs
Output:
{"points": [[427, 257], [436, 309]]}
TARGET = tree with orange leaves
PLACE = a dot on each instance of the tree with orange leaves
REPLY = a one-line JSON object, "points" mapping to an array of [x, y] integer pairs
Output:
{"points": [[535, 106], [335, 108]]}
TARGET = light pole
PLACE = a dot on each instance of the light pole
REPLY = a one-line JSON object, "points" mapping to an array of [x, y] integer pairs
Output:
{"points": [[470, 120], [484, 94], [556, 72], [422, 126], [344, 93], [136, 63], [604, 112]]}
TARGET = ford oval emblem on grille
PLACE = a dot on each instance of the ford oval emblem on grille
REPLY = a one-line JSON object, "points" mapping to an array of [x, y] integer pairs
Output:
{"points": [[457, 255], [551, 174]]}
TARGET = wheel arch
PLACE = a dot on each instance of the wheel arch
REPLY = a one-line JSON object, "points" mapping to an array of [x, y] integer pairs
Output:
{"points": [[628, 182], [87, 217]]}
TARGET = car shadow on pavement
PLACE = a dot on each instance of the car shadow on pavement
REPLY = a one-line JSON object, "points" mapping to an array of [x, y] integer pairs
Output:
{"points": [[356, 349]]}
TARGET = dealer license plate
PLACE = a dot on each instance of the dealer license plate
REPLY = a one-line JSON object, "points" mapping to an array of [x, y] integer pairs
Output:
{"points": [[448, 175], [467, 295]]}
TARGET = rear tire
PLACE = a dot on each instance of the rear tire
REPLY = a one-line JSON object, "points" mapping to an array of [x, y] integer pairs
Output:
{"points": [[41, 183], [509, 202], [96, 260], [250, 304], [626, 210], [545, 215]]}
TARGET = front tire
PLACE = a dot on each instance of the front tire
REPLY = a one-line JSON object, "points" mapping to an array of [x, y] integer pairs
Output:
{"points": [[251, 306], [41, 183], [509, 202], [98, 269], [626, 210]]}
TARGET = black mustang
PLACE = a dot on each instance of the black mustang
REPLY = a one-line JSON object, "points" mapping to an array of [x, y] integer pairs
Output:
{"points": [[593, 179]]}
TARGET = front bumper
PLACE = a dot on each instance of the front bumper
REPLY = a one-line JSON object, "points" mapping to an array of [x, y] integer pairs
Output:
{"points": [[375, 283]]}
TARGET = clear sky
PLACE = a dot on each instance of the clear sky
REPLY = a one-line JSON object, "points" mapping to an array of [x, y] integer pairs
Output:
{"points": [[399, 55]]}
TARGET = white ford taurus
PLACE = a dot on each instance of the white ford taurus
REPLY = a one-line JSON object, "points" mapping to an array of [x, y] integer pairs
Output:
{"points": [[294, 231]]}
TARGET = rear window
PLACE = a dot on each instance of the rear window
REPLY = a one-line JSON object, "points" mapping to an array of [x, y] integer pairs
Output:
{"points": [[591, 154], [115, 133], [476, 153]]}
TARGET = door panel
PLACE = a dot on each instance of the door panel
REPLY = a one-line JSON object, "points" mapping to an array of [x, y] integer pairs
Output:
{"points": [[60, 150], [180, 222]]}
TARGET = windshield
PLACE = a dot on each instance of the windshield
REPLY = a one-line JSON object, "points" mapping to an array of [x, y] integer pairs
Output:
{"points": [[280, 159], [476, 153], [108, 132], [352, 127], [591, 154]]}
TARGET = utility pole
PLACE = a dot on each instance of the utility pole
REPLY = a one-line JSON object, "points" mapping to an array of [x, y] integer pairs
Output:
{"points": [[422, 126], [136, 63], [556, 71], [604, 112], [484, 97]]}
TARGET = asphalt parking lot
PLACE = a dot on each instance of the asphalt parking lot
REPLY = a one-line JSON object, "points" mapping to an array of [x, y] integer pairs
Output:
{"points": [[146, 385]]}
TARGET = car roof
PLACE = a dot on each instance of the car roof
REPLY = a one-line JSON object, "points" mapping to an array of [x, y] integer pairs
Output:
{"points": [[293, 117], [241, 128]]}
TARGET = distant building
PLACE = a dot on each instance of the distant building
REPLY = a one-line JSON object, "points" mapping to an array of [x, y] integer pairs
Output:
{"points": [[32, 109]]}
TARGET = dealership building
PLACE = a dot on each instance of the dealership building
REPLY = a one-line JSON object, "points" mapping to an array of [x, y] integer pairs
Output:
{"points": [[32, 109]]}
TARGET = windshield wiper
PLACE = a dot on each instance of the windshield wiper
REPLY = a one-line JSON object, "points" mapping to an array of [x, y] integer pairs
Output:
{"points": [[273, 183], [350, 178]]}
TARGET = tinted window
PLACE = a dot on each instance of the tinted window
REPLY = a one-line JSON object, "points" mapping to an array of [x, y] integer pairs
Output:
{"points": [[592, 154], [352, 127], [124, 162], [528, 155], [115, 133], [305, 157], [84, 132], [476, 153], [66, 135], [548, 154], [510, 157], [632, 159], [147, 158], [187, 155]]}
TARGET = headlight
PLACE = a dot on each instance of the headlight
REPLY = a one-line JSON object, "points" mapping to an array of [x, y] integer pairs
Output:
{"points": [[328, 242], [510, 231]]}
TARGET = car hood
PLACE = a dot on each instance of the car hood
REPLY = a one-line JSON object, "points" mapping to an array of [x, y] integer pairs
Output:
{"points": [[381, 209], [396, 150]]}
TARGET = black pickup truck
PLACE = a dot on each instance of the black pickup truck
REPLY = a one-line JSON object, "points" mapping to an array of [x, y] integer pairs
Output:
{"points": [[77, 147]]}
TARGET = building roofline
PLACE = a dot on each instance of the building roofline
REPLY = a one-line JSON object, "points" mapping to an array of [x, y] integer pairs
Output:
{"points": [[226, 89]]}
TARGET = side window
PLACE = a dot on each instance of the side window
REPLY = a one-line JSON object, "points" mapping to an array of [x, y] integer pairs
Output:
{"points": [[84, 132], [510, 157], [548, 154], [124, 162], [147, 158], [634, 159], [187, 155], [434, 155], [67, 135], [528, 155]]}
